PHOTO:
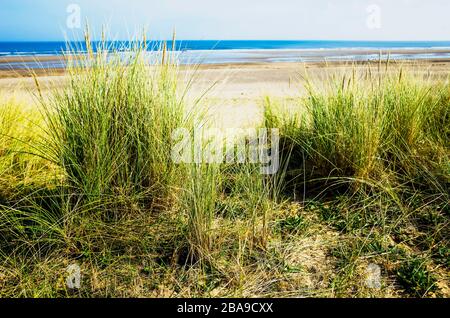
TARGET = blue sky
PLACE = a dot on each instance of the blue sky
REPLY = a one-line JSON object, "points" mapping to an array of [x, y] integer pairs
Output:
{"points": [[231, 19]]}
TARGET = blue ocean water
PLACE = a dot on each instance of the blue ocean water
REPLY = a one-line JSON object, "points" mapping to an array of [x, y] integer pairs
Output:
{"points": [[55, 48], [243, 51]]}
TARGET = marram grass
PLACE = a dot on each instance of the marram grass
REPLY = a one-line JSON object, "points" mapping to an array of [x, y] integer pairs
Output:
{"points": [[395, 131], [110, 127]]}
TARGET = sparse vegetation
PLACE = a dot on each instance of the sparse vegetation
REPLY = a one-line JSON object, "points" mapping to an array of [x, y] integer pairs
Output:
{"points": [[415, 277], [373, 151]]}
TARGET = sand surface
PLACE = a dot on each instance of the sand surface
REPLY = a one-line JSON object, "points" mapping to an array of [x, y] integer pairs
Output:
{"points": [[234, 92]]}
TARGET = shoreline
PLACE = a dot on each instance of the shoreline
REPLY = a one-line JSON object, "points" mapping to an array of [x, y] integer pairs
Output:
{"points": [[61, 71], [46, 65]]}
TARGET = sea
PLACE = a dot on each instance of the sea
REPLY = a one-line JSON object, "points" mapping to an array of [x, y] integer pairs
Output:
{"points": [[236, 51]]}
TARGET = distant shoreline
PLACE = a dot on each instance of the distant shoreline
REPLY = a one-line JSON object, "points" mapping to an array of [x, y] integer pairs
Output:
{"points": [[48, 65], [221, 56]]}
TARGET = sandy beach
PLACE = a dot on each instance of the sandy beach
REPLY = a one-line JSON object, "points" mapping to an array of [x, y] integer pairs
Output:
{"points": [[234, 92], [234, 79]]}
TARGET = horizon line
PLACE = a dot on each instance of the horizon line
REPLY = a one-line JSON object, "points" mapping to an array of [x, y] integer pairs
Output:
{"points": [[223, 40]]}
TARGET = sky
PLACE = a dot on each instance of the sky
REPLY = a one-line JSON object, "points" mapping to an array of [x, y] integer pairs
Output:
{"points": [[51, 20]]}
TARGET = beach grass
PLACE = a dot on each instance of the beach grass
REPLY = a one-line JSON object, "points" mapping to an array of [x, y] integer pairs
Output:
{"points": [[87, 178], [376, 148]]}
